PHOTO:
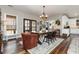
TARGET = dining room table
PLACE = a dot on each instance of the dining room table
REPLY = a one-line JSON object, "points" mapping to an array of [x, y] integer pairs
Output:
{"points": [[42, 34]]}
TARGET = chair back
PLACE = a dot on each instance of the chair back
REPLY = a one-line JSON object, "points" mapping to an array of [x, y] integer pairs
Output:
{"points": [[29, 40], [54, 33]]}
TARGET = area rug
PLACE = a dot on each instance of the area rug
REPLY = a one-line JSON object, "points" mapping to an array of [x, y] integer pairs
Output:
{"points": [[45, 48]]}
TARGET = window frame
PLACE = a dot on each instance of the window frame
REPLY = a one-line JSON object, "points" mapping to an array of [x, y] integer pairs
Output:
{"points": [[8, 29], [30, 25]]}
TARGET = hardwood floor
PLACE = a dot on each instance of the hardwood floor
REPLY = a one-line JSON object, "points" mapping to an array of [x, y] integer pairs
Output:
{"points": [[63, 47], [15, 47]]}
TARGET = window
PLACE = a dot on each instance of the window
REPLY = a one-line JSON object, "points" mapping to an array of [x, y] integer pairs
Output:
{"points": [[27, 25], [10, 24], [33, 26], [30, 25]]}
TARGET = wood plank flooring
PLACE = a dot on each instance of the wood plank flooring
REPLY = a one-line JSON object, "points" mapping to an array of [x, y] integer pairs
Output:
{"points": [[13, 47], [62, 48]]}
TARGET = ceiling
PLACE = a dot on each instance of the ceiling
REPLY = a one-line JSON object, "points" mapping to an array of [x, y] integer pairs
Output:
{"points": [[50, 10]]}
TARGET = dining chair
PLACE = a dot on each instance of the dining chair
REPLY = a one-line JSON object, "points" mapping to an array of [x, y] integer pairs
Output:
{"points": [[51, 36], [48, 38], [29, 40]]}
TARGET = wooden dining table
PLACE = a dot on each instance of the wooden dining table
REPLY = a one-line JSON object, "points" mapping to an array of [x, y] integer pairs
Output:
{"points": [[41, 34]]}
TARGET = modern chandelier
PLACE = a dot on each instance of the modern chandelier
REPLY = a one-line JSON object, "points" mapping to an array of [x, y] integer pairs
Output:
{"points": [[44, 16]]}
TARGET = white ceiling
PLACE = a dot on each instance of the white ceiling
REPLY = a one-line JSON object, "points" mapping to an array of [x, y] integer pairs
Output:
{"points": [[51, 10]]}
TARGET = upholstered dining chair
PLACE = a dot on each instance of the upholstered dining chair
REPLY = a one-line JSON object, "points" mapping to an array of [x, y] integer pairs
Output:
{"points": [[29, 40]]}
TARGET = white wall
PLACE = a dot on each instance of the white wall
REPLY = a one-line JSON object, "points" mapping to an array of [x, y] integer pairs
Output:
{"points": [[20, 16], [64, 19], [19, 19], [72, 23]]}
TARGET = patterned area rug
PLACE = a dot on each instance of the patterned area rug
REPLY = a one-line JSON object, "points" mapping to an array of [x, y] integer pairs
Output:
{"points": [[45, 48]]}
